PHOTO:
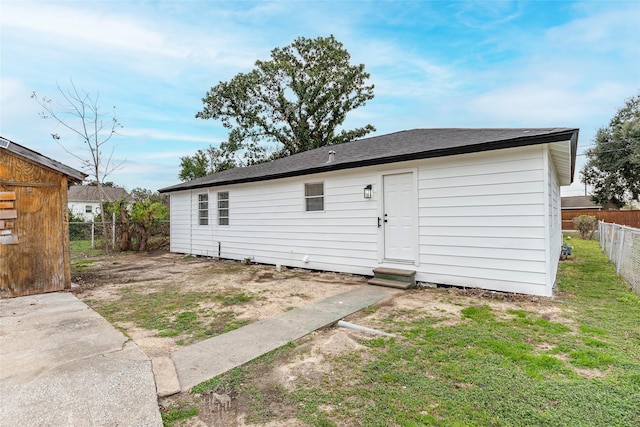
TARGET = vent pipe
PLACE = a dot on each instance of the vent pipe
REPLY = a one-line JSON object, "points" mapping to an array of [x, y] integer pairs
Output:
{"points": [[332, 156]]}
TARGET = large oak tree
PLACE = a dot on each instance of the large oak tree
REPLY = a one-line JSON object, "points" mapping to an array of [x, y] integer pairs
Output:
{"points": [[299, 100]]}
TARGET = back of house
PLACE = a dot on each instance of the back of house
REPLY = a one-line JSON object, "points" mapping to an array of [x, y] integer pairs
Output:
{"points": [[461, 207]]}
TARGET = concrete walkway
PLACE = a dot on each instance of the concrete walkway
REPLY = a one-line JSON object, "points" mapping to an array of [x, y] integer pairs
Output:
{"points": [[61, 364], [199, 362]]}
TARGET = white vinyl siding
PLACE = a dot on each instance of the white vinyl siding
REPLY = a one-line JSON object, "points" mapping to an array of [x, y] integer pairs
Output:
{"points": [[269, 226], [180, 224], [487, 220], [555, 220], [482, 221]]}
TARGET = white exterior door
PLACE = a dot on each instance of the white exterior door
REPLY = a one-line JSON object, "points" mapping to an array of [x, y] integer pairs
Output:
{"points": [[399, 208]]}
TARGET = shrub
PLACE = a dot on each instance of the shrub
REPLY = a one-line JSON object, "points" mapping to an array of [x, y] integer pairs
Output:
{"points": [[586, 226]]}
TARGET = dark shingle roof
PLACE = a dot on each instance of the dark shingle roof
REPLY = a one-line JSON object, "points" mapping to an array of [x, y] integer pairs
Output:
{"points": [[394, 147], [75, 175], [89, 193], [578, 202]]}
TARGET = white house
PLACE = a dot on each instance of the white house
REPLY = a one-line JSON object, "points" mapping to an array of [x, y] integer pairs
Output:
{"points": [[84, 200], [463, 207]]}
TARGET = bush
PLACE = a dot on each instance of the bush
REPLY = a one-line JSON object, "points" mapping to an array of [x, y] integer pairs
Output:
{"points": [[586, 226]]}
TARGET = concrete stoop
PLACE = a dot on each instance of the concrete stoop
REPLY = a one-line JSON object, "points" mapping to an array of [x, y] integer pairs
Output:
{"points": [[393, 278]]}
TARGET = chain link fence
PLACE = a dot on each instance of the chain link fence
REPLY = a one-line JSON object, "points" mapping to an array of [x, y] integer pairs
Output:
{"points": [[622, 245], [94, 232]]}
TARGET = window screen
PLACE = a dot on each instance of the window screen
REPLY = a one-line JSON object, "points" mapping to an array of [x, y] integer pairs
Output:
{"points": [[314, 196], [223, 208], [203, 209]]}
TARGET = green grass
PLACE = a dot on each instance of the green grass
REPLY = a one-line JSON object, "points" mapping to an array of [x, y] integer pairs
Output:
{"points": [[82, 248], [172, 313], [81, 265], [178, 413], [514, 369]]}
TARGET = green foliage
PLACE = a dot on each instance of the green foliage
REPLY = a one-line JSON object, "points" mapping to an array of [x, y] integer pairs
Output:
{"points": [[586, 226], [192, 167], [298, 100], [613, 168], [226, 382], [177, 413], [137, 218], [213, 160]]}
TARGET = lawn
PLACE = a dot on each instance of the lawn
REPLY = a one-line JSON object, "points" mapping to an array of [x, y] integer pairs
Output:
{"points": [[467, 360]]}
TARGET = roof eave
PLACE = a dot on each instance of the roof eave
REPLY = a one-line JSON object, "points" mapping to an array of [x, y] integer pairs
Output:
{"points": [[566, 135]]}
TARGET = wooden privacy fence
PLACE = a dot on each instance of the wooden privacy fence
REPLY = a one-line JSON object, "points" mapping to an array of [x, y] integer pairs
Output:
{"points": [[628, 218]]}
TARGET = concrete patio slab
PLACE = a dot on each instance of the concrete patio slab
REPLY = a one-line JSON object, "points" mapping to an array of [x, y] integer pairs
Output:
{"points": [[63, 364]]}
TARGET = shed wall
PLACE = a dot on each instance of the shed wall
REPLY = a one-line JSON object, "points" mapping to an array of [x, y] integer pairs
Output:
{"points": [[39, 261]]}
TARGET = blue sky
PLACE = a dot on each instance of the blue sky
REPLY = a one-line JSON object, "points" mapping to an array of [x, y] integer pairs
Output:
{"points": [[434, 64]]}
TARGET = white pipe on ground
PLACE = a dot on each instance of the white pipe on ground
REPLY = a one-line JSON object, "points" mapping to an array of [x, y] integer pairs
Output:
{"points": [[344, 324]]}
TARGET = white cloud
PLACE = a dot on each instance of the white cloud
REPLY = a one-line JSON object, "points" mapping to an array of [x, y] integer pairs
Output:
{"points": [[158, 134], [86, 29]]}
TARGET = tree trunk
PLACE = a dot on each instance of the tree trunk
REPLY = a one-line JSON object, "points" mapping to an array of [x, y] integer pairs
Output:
{"points": [[125, 236], [144, 237], [105, 227]]}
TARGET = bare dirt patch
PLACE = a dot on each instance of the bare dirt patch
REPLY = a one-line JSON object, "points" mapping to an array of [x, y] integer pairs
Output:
{"points": [[445, 306], [265, 292]]}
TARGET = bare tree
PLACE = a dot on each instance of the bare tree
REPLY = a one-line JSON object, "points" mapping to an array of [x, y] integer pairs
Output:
{"points": [[79, 113]]}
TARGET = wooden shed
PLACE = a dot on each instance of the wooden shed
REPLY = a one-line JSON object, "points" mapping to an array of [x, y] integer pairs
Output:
{"points": [[34, 228]]}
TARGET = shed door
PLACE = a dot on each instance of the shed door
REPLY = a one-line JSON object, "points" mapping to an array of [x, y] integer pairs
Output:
{"points": [[36, 262], [399, 208]]}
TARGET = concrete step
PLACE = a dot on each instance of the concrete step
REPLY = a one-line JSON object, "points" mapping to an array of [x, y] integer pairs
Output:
{"points": [[389, 283], [167, 382], [396, 275]]}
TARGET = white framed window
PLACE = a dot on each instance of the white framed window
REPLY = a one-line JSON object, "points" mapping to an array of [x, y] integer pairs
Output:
{"points": [[88, 209], [314, 196], [223, 208], [203, 209]]}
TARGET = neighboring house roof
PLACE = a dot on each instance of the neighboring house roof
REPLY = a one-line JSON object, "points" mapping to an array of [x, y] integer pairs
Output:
{"points": [[89, 193], [73, 174], [585, 203], [578, 202], [395, 147]]}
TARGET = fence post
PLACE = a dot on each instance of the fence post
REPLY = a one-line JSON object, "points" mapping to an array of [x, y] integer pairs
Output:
{"points": [[613, 236], [621, 242], [600, 227], [113, 230], [93, 232]]}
